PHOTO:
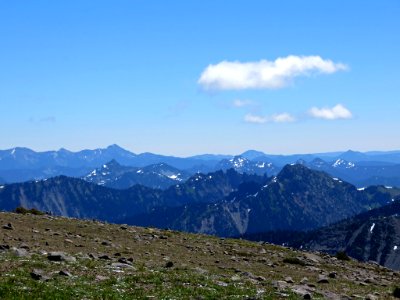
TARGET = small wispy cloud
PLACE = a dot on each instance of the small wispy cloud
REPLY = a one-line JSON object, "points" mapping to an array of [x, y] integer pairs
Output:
{"points": [[264, 74], [243, 103], [333, 113], [283, 118], [251, 118], [276, 118], [49, 119]]}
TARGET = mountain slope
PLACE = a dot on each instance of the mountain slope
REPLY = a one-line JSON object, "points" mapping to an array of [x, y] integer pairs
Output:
{"points": [[113, 175], [109, 261], [373, 235], [244, 165], [297, 199], [362, 173], [77, 198]]}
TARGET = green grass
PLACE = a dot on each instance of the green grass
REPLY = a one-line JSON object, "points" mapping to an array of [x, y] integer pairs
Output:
{"points": [[141, 284]]}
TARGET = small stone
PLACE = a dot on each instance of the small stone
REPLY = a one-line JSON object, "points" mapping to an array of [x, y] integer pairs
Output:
{"points": [[371, 280], [235, 278], [38, 274], [322, 279], [101, 278], [371, 297], [220, 283], [24, 246], [304, 280], [121, 266], [68, 241], [60, 256], [4, 247], [8, 226], [289, 279], [20, 252], [123, 260], [64, 273], [260, 278], [332, 275], [105, 257]]}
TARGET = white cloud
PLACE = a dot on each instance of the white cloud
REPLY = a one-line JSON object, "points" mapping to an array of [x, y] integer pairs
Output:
{"points": [[250, 118], [276, 118], [282, 118], [242, 103], [334, 113], [264, 74]]}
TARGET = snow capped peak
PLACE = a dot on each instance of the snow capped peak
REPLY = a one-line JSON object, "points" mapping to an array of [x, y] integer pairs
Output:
{"points": [[342, 163], [238, 161], [263, 165]]}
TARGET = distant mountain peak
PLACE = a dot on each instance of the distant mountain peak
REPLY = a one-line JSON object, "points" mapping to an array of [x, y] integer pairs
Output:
{"points": [[112, 163], [343, 163], [114, 147], [252, 154], [238, 161], [292, 170]]}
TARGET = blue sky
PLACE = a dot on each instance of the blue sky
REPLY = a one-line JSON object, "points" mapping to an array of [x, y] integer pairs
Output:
{"points": [[86, 74]]}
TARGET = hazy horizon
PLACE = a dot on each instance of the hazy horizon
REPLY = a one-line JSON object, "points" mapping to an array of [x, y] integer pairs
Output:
{"points": [[204, 153]]}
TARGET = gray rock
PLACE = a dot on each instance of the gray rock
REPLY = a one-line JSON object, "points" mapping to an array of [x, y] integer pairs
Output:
{"points": [[38, 274], [4, 247], [121, 266], [322, 279], [20, 252], [60, 256], [289, 279], [304, 280], [8, 226], [332, 275], [101, 278], [280, 285], [64, 273]]}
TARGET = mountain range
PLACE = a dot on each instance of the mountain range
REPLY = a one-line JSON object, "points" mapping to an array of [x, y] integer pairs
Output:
{"points": [[158, 176], [224, 203], [23, 164], [322, 203]]}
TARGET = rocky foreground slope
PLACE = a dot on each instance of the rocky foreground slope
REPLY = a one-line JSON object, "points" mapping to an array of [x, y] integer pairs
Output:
{"points": [[59, 258]]}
